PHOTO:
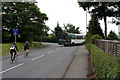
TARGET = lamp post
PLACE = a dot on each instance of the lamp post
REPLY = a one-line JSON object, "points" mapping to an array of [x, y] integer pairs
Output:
{"points": [[86, 21]]}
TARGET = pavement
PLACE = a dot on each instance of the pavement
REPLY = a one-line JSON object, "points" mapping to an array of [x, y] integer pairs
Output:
{"points": [[79, 65]]}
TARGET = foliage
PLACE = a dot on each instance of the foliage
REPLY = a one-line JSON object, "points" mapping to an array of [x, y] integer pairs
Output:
{"points": [[94, 26], [71, 28], [112, 36], [102, 10], [90, 38], [97, 36], [24, 16], [58, 31], [49, 38], [106, 65]]}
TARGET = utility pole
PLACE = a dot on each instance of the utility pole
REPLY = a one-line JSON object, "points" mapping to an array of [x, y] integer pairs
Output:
{"points": [[86, 21]]}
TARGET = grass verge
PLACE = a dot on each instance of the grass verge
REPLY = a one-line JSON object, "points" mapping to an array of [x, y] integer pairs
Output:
{"points": [[6, 47]]}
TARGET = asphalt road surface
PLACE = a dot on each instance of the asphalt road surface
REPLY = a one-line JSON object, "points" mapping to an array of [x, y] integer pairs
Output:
{"points": [[49, 62]]}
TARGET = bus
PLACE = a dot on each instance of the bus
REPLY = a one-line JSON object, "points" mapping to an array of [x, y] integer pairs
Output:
{"points": [[71, 39]]}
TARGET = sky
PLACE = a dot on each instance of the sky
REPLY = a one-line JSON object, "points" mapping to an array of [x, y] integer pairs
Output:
{"points": [[68, 11]]}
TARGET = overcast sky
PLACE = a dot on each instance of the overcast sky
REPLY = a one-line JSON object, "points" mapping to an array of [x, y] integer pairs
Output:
{"points": [[67, 11]]}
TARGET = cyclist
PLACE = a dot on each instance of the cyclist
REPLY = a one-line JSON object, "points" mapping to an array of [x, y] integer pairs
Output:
{"points": [[12, 50], [26, 47]]}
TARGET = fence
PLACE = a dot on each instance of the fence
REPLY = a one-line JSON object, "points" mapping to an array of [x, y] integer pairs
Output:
{"points": [[109, 46]]}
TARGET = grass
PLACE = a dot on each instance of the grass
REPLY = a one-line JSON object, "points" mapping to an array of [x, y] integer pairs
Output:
{"points": [[6, 47], [36, 45]]}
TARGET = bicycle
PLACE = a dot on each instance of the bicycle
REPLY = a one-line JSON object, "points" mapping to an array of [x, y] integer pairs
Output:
{"points": [[26, 54], [14, 58]]}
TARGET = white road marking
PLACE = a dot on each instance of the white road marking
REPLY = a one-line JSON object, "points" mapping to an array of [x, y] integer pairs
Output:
{"points": [[11, 68], [37, 57], [44, 55], [57, 48], [50, 52], [64, 47]]}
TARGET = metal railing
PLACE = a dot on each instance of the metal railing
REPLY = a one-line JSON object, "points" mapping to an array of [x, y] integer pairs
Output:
{"points": [[109, 46]]}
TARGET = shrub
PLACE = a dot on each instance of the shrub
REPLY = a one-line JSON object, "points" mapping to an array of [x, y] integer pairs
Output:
{"points": [[95, 37], [119, 39], [49, 39], [106, 65], [90, 38], [87, 38], [112, 36]]}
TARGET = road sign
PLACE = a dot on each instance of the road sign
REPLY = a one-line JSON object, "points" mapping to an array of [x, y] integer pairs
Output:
{"points": [[15, 32]]}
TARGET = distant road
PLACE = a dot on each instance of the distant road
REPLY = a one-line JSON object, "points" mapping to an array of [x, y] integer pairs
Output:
{"points": [[49, 62]]}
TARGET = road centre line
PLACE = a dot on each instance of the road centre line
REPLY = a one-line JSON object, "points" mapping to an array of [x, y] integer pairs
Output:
{"points": [[11, 68], [37, 57], [50, 52], [53, 51], [57, 48], [44, 55]]}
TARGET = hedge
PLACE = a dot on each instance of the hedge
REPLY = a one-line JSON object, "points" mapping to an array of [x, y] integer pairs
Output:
{"points": [[106, 65]]}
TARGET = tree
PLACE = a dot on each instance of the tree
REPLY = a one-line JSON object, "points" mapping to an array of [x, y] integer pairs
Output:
{"points": [[24, 16], [112, 36], [94, 26], [102, 10], [58, 31], [71, 28]]}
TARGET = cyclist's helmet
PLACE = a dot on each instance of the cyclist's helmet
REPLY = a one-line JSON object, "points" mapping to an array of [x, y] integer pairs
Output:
{"points": [[26, 41], [14, 43]]}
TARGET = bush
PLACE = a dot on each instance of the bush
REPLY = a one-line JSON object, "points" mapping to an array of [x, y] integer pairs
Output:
{"points": [[87, 38], [95, 37], [90, 38], [112, 36], [106, 65], [49, 39]]}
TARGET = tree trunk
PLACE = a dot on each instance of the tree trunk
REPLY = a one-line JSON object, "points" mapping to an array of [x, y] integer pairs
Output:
{"points": [[105, 23]]}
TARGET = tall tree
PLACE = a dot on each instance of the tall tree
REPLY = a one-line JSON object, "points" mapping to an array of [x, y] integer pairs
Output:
{"points": [[24, 16], [94, 26], [102, 10], [71, 28], [58, 31]]}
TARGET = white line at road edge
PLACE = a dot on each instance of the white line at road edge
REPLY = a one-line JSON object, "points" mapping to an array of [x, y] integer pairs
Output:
{"points": [[37, 57], [11, 68]]}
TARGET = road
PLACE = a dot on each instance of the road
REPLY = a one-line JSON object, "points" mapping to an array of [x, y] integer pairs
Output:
{"points": [[49, 62]]}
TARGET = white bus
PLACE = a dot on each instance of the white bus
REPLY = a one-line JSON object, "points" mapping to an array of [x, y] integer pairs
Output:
{"points": [[71, 39]]}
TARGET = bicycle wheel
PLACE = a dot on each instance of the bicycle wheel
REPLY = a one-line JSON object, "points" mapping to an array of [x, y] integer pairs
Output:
{"points": [[16, 58], [26, 53], [11, 59]]}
